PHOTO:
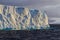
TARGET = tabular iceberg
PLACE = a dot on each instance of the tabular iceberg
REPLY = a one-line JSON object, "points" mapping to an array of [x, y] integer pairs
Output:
{"points": [[20, 18]]}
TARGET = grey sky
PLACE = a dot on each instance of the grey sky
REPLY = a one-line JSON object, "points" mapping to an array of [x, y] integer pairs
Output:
{"points": [[51, 6]]}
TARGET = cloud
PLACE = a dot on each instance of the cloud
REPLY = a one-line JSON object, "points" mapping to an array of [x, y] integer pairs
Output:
{"points": [[51, 6], [29, 2], [52, 10]]}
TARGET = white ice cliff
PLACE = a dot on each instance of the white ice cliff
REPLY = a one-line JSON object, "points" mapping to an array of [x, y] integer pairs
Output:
{"points": [[19, 18]]}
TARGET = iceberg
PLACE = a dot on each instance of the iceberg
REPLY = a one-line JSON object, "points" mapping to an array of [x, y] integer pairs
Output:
{"points": [[20, 18]]}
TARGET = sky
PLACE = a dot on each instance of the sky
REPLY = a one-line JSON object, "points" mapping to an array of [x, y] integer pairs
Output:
{"points": [[52, 7]]}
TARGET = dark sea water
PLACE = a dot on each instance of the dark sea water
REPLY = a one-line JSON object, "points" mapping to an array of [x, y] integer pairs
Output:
{"points": [[48, 34]]}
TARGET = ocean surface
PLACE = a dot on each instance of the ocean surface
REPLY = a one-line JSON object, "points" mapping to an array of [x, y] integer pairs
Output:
{"points": [[49, 34]]}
